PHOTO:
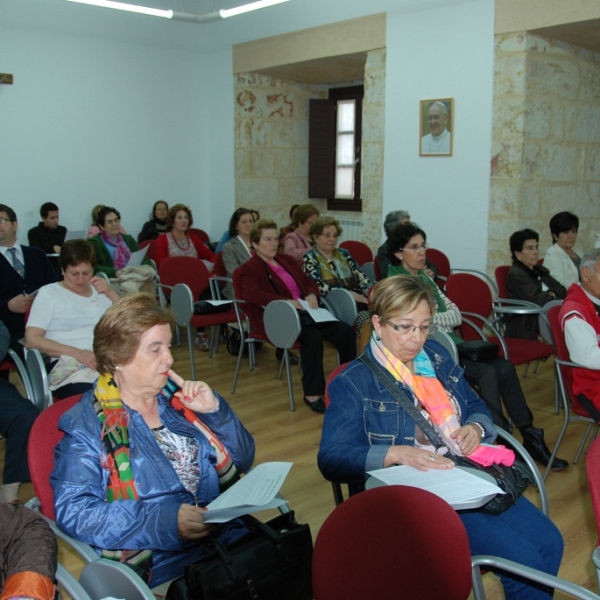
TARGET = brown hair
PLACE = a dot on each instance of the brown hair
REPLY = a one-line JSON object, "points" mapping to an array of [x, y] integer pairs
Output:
{"points": [[118, 332], [173, 212], [399, 295], [76, 252], [317, 227], [258, 228], [304, 212]]}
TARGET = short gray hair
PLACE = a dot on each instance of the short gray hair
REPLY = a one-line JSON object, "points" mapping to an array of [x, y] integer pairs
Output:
{"points": [[438, 103], [589, 259], [392, 219]]}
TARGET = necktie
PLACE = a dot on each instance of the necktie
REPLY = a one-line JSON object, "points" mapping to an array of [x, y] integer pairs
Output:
{"points": [[17, 264]]}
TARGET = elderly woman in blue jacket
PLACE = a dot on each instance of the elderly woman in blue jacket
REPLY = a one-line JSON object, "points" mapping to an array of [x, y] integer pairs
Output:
{"points": [[144, 450], [365, 428]]}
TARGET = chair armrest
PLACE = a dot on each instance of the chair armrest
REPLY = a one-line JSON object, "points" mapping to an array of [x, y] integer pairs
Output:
{"points": [[511, 301], [489, 324]]}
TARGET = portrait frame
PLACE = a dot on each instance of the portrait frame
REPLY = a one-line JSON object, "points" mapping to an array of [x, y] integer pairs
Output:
{"points": [[428, 144]]}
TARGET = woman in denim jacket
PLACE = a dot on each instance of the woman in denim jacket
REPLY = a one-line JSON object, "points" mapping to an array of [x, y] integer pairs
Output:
{"points": [[365, 428]]}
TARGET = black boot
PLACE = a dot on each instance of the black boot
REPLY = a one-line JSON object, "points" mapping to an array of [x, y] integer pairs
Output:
{"points": [[533, 441]]}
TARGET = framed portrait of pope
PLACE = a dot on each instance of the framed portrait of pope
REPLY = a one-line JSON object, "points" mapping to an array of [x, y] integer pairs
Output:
{"points": [[437, 127]]}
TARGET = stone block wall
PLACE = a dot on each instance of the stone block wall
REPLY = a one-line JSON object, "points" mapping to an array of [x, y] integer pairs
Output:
{"points": [[271, 146], [546, 140]]}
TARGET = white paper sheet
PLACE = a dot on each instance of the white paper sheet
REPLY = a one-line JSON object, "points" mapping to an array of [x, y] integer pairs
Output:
{"points": [[456, 486], [136, 258], [319, 315], [253, 492]]}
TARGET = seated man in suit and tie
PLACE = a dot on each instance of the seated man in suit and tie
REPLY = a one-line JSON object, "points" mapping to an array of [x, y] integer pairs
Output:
{"points": [[48, 234], [23, 270]]}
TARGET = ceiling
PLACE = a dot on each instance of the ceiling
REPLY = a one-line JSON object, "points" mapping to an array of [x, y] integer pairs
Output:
{"points": [[584, 33]]}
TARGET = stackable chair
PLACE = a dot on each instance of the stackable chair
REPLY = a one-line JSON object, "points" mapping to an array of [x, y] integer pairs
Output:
{"points": [[573, 409], [38, 376], [474, 298], [341, 305], [592, 466], [368, 269], [359, 251], [13, 362], [360, 546], [151, 252], [442, 264], [200, 233], [100, 577]]}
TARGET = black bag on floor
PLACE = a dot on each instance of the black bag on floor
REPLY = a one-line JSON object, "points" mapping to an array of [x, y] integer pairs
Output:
{"points": [[271, 562], [233, 343], [202, 307]]}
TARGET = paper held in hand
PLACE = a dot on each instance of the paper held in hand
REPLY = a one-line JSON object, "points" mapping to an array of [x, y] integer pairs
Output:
{"points": [[461, 487], [253, 492]]}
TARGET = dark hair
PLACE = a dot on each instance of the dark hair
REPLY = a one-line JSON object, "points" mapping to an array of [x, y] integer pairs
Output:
{"points": [[75, 252], [46, 208], [293, 210], [259, 227], [153, 213], [173, 213], [10, 213], [518, 239], [235, 218], [562, 222], [118, 333], [104, 212], [399, 237]]}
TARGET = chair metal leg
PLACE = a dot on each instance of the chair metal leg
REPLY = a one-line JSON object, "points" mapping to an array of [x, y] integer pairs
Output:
{"points": [[537, 364], [478, 588], [178, 335], [338, 496], [281, 366], [238, 363], [562, 429], [583, 441], [286, 358], [214, 340], [526, 369], [191, 350]]}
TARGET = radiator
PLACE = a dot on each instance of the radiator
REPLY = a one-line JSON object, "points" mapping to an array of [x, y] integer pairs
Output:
{"points": [[352, 230]]}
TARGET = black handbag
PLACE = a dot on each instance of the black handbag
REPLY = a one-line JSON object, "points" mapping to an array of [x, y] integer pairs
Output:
{"points": [[271, 562], [478, 350], [512, 480], [203, 307]]}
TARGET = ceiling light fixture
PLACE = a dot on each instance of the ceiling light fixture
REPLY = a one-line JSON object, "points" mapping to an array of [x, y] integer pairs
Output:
{"points": [[182, 16]]}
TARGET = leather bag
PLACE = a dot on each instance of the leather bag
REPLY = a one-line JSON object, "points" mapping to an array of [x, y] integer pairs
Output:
{"points": [[202, 307], [478, 350], [271, 562]]}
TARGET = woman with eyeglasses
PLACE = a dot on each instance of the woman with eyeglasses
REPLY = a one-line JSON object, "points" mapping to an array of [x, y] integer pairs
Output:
{"points": [[496, 379], [367, 428]]}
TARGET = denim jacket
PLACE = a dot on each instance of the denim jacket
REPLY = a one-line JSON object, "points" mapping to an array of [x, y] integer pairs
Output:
{"points": [[79, 482], [363, 419]]}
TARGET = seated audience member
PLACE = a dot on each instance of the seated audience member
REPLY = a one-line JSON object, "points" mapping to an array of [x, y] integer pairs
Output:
{"points": [[579, 316], [62, 320], [157, 223], [526, 280], [299, 241], [562, 260], [496, 379], [269, 276], [396, 217], [230, 233], [366, 428], [178, 241], [287, 229], [95, 229], [28, 555], [16, 420], [113, 249], [332, 267], [141, 501], [48, 234], [239, 248], [23, 270]]}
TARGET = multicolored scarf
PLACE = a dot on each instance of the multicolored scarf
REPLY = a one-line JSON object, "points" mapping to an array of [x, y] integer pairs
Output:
{"points": [[435, 400], [122, 252], [121, 484], [336, 273]]}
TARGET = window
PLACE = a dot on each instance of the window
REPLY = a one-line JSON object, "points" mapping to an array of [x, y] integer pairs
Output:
{"points": [[334, 148]]}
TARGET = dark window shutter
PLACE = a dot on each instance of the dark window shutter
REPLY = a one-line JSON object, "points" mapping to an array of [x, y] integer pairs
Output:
{"points": [[321, 149]]}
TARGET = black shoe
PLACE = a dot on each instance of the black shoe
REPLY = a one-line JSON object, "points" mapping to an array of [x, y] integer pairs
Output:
{"points": [[318, 405], [279, 356], [533, 442]]}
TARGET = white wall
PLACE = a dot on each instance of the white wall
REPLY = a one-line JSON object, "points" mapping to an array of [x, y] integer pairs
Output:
{"points": [[112, 107]]}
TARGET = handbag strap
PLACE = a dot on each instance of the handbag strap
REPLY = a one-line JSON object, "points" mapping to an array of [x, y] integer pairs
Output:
{"points": [[413, 412]]}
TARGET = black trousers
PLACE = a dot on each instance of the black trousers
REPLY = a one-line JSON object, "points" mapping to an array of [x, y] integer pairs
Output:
{"points": [[341, 335], [497, 381]]}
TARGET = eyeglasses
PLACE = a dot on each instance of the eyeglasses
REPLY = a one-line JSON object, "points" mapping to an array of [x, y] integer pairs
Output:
{"points": [[404, 329], [4, 220], [414, 248], [112, 221]]}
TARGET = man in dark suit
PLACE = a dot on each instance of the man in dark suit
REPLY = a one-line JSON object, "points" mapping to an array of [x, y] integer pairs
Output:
{"points": [[23, 270], [48, 234]]}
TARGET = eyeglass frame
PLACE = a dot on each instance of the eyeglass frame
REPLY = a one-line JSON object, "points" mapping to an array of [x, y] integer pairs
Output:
{"points": [[403, 329], [4, 220], [414, 248]]}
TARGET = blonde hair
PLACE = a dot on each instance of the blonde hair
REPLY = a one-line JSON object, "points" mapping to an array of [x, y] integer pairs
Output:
{"points": [[399, 295]]}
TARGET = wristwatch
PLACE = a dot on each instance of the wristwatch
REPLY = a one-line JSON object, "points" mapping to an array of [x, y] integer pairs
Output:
{"points": [[478, 424]]}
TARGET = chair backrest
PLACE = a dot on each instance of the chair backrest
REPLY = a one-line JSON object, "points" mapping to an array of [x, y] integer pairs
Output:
{"points": [[219, 268], [368, 269], [592, 466], [440, 260], [43, 437], [445, 340], [253, 312], [182, 303], [544, 324], [342, 305], [501, 272], [38, 378], [184, 269], [376, 268], [359, 251], [331, 377], [471, 294], [282, 323], [383, 543], [200, 233]]}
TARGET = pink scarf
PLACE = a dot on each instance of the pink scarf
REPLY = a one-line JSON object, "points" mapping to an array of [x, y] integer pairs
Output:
{"points": [[122, 252]]}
